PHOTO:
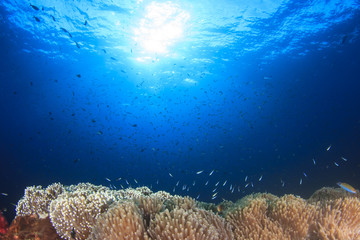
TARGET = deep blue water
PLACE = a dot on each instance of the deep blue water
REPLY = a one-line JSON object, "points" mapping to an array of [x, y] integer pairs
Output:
{"points": [[158, 91]]}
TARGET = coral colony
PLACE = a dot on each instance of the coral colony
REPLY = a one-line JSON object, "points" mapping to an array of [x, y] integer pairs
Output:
{"points": [[86, 211]]}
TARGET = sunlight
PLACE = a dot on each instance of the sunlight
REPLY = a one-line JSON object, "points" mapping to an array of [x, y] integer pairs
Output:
{"points": [[161, 27]]}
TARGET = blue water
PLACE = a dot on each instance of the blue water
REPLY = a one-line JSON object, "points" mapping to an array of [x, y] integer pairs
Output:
{"points": [[158, 91]]}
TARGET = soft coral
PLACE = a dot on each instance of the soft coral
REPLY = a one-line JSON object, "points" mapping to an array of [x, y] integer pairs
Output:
{"points": [[3, 224]]}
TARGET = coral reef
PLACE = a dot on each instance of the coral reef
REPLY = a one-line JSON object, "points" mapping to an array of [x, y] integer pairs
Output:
{"points": [[86, 211]]}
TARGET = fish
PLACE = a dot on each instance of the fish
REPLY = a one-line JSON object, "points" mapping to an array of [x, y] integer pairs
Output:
{"points": [[118, 179], [206, 183], [37, 19], [246, 178], [66, 31], [347, 187], [171, 175], [199, 172], [314, 161], [214, 190], [77, 45], [197, 196], [4, 194], [177, 184], [127, 182], [300, 181], [304, 174], [135, 181], [193, 183], [217, 184], [34, 7], [174, 189], [224, 182], [260, 178], [247, 185], [336, 164], [328, 148], [344, 159], [107, 179], [215, 194], [211, 172]]}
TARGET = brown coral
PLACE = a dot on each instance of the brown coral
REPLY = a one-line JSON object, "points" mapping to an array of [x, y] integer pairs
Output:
{"points": [[122, 221]]}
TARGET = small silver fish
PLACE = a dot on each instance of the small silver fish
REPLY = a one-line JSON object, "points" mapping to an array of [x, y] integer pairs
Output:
{"points": [[304, 174], [247, 185], [206, 183], [336, 164], [197, 196], [246, 178], [328, 148], [135, 181], [344, 159], [224, 182], [300, 181], [177, 184], [170, 175], [214, 190], [314, 161], [260, 178], [199, 172], [107, 179], [4, 194], [217, 184], [211, 172]]}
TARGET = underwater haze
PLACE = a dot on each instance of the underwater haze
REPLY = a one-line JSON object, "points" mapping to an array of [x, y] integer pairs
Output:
{"points": [[189, 97]]}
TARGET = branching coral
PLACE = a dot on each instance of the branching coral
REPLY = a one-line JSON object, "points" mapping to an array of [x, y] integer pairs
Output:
{"points": [[122, 221]]}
